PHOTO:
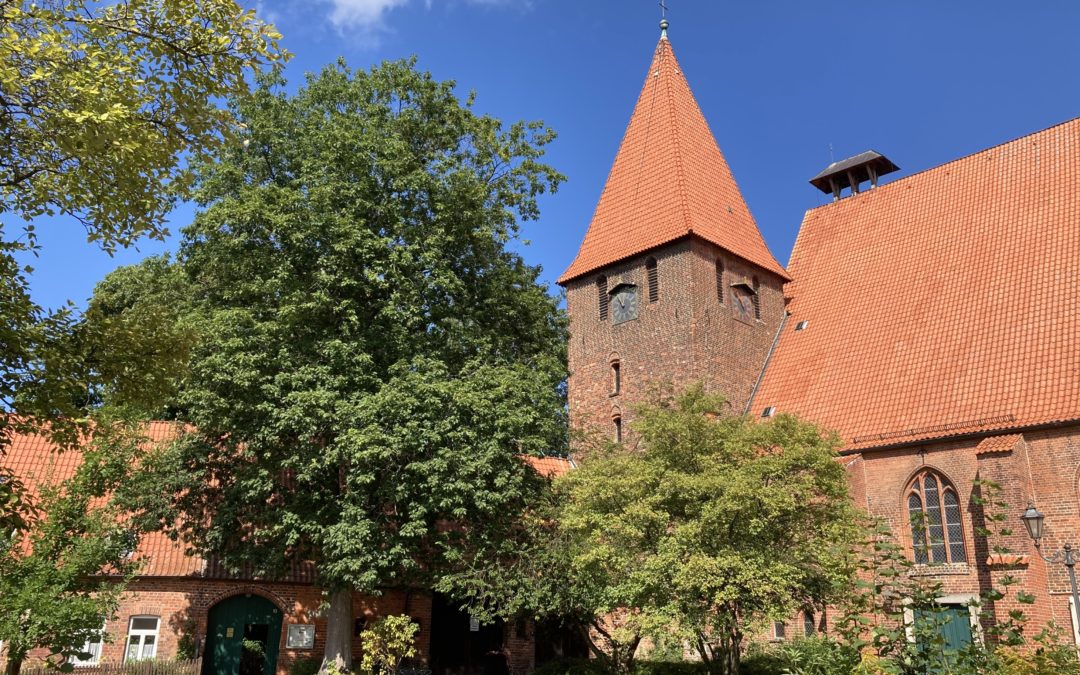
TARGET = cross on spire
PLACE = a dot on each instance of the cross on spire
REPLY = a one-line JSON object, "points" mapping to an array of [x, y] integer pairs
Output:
{"points": [[663, 19]]}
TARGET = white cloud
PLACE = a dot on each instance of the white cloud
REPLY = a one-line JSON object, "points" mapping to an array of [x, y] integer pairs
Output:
{"points": [[365, 14], [369, 16]]}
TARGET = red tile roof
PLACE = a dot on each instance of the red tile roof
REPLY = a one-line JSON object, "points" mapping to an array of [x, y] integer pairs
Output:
{"points": [[35, 461], [669, 181], [549, 467], [940, 304], [1003, 443]]}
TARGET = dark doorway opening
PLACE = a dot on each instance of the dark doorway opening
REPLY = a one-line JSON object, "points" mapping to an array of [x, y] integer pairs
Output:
{"points": [[558, 640], [460, 646], [253, 649]]}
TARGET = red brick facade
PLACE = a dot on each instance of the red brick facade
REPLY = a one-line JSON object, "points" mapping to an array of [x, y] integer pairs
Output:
{"points": [[1044, 469], [686, 335], [182, 606]]}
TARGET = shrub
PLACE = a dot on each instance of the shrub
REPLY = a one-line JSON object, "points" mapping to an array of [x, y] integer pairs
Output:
{"points": [[387, 642], [570, 667], [818, 655], [307, 665]]}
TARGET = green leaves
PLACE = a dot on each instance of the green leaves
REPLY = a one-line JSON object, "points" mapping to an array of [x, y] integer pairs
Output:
{"points": [[368, 358], [718, 525]]}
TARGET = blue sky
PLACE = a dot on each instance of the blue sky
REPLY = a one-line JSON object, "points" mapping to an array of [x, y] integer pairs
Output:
{"points": [[920, 81]]}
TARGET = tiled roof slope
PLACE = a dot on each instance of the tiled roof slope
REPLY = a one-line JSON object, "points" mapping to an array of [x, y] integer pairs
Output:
{"points": [[669, 180], [549, 467], [35, 461], [940, 304]]}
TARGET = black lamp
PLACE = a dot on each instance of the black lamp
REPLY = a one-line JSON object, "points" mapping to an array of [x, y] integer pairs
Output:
{"points": [[1033, 521]]}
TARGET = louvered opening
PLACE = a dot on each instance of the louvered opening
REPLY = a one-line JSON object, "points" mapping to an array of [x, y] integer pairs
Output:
{"points": [[720, 280], [653, 278], [757, 298], [602, 296]]}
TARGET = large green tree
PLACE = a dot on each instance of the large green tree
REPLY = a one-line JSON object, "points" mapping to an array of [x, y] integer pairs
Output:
{"points": [[715, 525], [372, 358], [100, 102]]}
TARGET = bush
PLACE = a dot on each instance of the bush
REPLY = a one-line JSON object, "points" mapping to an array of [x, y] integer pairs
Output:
{"points": [[305, 666], [818, 655], [759, 660], [386, 643], [669, 668], [570, 667]]}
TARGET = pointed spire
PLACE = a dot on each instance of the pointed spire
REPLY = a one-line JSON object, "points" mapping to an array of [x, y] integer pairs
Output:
{"points": [[669, 181]]}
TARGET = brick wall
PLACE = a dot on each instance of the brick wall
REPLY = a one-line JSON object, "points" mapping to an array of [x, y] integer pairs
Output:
{"points": [[687, 335], [182, 604], [1042, 468]]}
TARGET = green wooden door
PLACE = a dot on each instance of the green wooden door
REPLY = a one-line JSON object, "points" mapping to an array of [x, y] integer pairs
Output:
{"points": [[238, 620], [950, 626], [956, 627]]}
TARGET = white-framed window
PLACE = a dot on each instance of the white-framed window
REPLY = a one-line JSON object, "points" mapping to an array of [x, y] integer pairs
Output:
{"points": [[93, 648], [142, 638]]}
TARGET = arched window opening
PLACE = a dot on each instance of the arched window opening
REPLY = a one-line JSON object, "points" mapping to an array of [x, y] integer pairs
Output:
{"points": [[602, 296], [653, 278], [937, 534], [757, 298], [616, 378], [617, 431], [808, 623], [720, 280]]}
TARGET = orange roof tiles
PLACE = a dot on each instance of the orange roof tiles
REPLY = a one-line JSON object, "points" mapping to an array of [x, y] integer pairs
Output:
{"points": [[549, 467], [669, 181], [36, 462], [940, 304], [1003, 443]]}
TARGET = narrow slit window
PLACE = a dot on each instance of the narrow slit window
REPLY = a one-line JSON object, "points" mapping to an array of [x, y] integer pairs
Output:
{"points": [[602, 297], [616, 378], [757, 298], [720, 280], [808, 623], [617, 431], [653, 278]]}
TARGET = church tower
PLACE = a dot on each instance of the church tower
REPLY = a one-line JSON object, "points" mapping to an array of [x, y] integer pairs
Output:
{"points": [[673, 283]]}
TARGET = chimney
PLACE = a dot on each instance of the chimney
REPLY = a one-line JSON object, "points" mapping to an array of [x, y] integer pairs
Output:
{"points": [[852, 172]]}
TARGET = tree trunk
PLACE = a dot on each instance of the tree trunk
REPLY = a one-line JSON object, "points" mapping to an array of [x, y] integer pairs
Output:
{"points": [[339, 625], [14, 665]]}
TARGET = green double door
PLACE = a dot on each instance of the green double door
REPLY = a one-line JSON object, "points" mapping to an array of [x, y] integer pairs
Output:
{"points": [[952, 623], [242, 637]]}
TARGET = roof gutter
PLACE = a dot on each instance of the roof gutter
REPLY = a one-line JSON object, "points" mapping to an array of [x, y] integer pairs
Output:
{"points": [[963, 436]]}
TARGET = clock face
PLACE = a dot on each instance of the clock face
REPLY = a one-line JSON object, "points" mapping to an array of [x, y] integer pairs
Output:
{"points": [[743, 304], [624, 303]]}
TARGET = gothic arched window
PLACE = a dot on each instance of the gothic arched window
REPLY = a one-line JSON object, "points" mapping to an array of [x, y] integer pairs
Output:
{"points": [[933, 507]]}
